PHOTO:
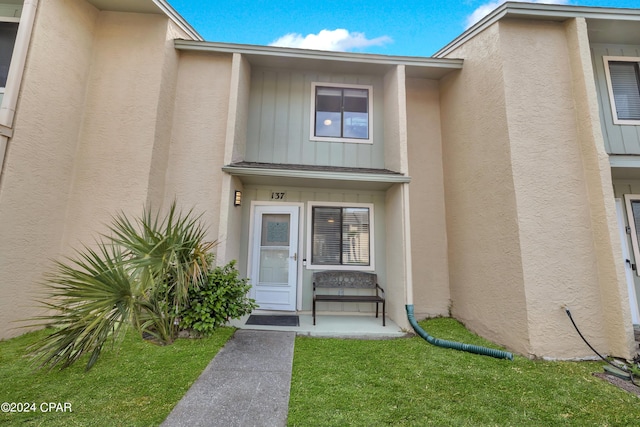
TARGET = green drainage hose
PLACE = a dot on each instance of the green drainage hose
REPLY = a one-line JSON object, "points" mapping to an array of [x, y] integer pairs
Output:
{"points": [[452, 344]]}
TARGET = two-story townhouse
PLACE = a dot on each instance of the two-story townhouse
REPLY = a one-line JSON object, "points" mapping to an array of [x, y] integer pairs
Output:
{"points": [[317, 145], [480, 182]]}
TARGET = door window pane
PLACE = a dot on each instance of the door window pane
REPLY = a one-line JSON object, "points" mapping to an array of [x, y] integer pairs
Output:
{"points": [[274, 249]]}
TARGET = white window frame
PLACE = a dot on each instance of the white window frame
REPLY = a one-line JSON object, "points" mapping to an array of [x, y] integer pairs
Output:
{"points": [[612, 101], [628, 198], [312, 127], [372, 243]]}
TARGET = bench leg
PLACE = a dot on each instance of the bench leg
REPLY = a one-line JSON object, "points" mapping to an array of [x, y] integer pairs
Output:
{"points": [[314, 312], [376, 310], [383, 320]]}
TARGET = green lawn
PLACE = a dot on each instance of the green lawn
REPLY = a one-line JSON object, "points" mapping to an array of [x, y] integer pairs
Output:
{"points": [[408, 382], [135, 385], [335, 383]]}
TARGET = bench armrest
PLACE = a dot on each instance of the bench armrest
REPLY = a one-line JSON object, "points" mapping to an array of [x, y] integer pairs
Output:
{"points": [[382, 290]]}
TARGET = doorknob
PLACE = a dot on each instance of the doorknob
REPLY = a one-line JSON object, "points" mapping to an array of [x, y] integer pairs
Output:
{"points": [[294, 257], [632, 265]]}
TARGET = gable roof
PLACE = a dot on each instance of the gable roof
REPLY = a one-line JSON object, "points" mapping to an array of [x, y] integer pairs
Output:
{"points": [[605, 24]]}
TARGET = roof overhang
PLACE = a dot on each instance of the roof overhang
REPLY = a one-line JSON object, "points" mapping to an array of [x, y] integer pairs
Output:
{"points": [[624, 166], [315, 176], [158, 7], [340, 62], [605, 25]]}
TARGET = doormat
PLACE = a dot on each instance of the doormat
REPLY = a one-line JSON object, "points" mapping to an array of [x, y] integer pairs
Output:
{"points": [[272, 320]]}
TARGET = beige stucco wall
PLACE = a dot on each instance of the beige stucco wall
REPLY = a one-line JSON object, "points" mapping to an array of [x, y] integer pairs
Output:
{"points": [[611, 275], [517, 155], [198, 139], [398, 261], [485, 265], [395, 130], [431, 296], [124, 109], [92, 132], [38, 170]]}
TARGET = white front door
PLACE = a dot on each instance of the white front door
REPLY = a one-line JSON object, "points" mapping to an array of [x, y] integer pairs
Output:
{"points": [[274, 257], [633, 301]]}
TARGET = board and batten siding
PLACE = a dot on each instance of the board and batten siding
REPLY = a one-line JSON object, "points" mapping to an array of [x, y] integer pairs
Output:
{"points": [[306, 196], [280, 120], [10, 10], [618, 139]]}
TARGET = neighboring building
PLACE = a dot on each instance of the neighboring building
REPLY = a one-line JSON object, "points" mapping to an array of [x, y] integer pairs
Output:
{"points": [[491, 182]]}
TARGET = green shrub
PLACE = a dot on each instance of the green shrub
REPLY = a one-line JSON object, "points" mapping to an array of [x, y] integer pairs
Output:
{"points": [[141, 275], [222, 297]]}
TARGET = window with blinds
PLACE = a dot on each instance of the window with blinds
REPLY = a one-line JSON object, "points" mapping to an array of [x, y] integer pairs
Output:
{"points": [[623, 79], [340, 236]]}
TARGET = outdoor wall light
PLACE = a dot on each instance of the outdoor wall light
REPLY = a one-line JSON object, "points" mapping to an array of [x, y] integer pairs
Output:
{"points": [[237, 198]]}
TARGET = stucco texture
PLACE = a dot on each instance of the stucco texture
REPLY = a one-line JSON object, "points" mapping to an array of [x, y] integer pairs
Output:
{"points": [[91, 137], [39, 166], [485, 265], [518, 192], [431, 296], [198, 139]]}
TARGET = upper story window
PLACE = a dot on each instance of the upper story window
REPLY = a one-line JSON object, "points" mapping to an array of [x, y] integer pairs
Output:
{"points": [[8, 32], [623, 81], [341, 113], [341, 236]]}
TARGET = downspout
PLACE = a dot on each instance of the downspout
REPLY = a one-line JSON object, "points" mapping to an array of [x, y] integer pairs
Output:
{"points": [[14, 78], [453, 344]]}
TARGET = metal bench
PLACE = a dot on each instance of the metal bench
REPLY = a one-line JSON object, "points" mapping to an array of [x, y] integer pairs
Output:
{"points": [[347, 280]]}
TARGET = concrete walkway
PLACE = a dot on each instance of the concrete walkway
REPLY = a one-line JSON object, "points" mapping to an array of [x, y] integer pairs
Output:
{"points": [[246, 384]]}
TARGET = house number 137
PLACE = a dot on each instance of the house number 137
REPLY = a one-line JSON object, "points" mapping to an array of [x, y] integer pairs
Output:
{"points": [[278, 196]]}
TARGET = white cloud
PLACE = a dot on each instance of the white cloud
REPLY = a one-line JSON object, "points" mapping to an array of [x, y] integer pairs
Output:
{"points": [[336, 40], [486, 8]]}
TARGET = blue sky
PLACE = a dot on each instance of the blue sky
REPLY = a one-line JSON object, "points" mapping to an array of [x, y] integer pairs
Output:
{"points": [[412, 28]]}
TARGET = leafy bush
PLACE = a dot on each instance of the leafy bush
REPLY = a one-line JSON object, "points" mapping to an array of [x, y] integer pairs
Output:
{"points": [[143, 275], [222, 297]]}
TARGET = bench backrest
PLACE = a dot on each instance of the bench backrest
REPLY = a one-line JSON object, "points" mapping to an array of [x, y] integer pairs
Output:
{"points": [[344, 279]]}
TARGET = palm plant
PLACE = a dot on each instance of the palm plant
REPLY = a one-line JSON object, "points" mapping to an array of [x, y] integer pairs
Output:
{"points": [[91, 299], [168, 256], [139, 276]]}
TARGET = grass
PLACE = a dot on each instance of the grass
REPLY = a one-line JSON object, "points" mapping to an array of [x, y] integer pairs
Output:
{"points": [[408, 382], [135, 385], [401, 382]]}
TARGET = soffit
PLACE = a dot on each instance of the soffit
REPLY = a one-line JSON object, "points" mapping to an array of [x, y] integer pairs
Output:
{"points": [[337, 62], [159, 7], [315, 176], [134, 6], [613, 31]]}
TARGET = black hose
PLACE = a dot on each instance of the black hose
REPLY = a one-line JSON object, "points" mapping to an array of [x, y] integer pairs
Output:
{"points": [[566, 309]]}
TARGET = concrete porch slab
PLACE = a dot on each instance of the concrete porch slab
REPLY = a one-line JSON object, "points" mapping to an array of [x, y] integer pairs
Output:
{"points": [[332, 325]]}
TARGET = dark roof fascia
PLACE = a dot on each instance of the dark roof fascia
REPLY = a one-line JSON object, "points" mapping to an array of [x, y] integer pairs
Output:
{"points": [[315, 172], [549, 12], [173, 14]]}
